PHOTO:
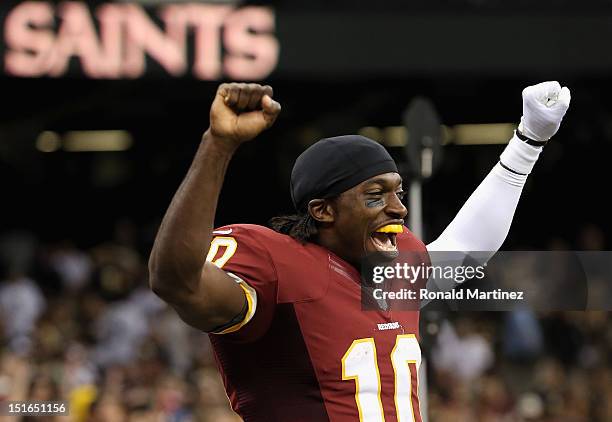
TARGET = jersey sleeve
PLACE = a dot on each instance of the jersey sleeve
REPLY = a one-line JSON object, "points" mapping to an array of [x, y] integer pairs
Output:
{"points": [[239, 252]]}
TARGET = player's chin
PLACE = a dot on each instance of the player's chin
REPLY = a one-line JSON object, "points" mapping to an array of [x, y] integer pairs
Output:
{"points": [[382, 249]]}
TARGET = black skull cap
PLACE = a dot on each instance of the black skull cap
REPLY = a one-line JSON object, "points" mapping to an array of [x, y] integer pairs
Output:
{"points": [[334, 165]]}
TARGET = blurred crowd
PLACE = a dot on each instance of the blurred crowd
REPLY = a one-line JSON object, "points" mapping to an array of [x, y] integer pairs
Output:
{"points": [[80, 324], [522, 366]]}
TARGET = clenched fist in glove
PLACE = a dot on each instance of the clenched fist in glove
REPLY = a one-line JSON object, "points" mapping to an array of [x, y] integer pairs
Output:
{"points": [[544, 106]]}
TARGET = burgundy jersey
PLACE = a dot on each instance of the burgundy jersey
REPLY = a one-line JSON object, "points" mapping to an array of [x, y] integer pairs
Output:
{"points": [[306, 351]]}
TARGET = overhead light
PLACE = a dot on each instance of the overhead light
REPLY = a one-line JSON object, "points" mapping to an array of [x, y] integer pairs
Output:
{"points": [[390, 136], [97, 140], [371, 132], [48, 141], [482, 134], [464, 134], [395, 136]]}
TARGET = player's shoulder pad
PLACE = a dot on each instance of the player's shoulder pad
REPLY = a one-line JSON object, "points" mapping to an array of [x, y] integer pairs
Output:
{"points": [[293, 261], [407, 241], [266, 237], [413, 251]]}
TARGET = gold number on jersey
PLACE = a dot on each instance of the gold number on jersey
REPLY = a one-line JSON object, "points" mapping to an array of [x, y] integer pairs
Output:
{"points": [[230, 245], [359, 363]]}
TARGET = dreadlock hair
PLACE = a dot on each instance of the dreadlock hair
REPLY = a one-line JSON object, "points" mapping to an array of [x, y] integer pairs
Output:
{"points": [[302, 227]]}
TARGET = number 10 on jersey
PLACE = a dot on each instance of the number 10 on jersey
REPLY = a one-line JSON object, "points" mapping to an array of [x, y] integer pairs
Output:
{"points": [[361, 365]]}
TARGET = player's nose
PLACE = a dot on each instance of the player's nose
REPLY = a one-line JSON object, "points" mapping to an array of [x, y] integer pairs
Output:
{"points": [[395, 208]]}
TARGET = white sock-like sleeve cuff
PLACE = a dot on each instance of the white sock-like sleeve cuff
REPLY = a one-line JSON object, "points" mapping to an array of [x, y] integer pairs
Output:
{"points": [[520, 156]]}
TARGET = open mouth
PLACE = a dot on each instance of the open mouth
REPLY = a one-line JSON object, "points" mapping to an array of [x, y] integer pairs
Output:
{"points": [[385, 238]]}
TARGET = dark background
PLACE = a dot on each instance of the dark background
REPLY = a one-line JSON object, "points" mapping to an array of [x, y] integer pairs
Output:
{"points": [[67, 194]]}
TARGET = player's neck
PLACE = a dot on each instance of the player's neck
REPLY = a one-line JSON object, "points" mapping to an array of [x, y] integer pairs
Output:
{"points": [[331, 243]]}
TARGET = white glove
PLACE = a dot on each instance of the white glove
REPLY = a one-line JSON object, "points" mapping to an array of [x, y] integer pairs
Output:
{"points": [[544, 106]]}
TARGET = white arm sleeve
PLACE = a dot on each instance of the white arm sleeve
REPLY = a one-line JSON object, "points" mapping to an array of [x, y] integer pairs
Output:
{"points": [[483, 222]]}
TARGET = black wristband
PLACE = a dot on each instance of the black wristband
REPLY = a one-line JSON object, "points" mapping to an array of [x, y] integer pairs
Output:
{"points": [[529, 140], [510, 170]]}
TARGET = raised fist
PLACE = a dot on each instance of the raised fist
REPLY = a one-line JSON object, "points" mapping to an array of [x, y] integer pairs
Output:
{"points": [[242, 111], [544, 106]]}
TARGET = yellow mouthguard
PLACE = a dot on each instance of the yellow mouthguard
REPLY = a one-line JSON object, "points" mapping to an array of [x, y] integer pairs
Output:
{"points": [[391, 228]]}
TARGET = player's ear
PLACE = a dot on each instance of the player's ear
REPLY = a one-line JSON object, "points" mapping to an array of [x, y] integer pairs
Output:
{"points": [[321, 210]]}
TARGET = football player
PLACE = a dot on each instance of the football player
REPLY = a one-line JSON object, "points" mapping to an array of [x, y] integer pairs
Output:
{"points": [[283, 305]]}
